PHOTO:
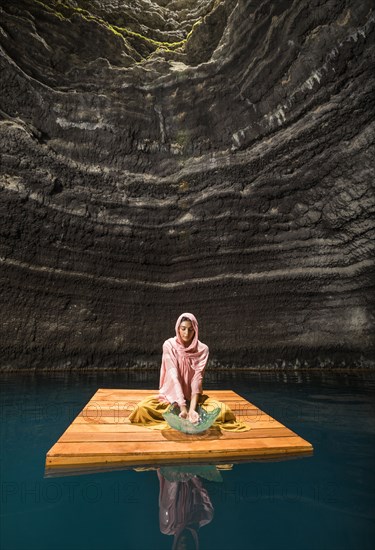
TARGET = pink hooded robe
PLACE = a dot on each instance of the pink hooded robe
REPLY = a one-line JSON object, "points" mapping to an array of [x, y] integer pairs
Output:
{"points": [[181, 372]]}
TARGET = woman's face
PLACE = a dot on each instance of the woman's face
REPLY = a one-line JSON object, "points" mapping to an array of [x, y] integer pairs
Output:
{"points": [[186, 332]]}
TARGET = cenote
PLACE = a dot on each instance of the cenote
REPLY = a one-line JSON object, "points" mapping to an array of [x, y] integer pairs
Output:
{"points": [[206, 156], [321, 501]]}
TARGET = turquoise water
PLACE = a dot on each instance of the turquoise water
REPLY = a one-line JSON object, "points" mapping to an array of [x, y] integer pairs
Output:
{"points": [[325, 501]]}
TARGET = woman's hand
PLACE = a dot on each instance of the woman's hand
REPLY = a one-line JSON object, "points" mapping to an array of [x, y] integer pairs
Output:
{"points": [[184, 412], [193, 416]]}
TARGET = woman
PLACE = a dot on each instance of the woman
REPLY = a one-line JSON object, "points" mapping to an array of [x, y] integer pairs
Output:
{"points": [[181, 376]]}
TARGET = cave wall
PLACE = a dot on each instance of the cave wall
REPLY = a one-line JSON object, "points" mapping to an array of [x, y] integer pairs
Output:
{"points": [[204, 156]]}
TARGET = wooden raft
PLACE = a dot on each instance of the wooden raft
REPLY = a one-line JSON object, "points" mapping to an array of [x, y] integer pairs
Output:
{"points": [[101, 435]]}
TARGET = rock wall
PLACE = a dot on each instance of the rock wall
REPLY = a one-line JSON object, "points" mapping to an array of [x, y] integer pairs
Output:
{"points": [[205, 156]]}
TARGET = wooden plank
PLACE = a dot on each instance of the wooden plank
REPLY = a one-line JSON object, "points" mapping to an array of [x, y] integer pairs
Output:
{"points": [[114, 413], [111, 394], [80, 426], [128, 461], [139, 447], [137, 395], [98, 404], [157, 435], [176, 458], [83, 418]]}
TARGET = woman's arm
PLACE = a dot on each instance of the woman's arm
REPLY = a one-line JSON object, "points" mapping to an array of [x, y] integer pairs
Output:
{"points": [[193, 415], [170, 386], [196, 386], [194, 402], [184, 412]]}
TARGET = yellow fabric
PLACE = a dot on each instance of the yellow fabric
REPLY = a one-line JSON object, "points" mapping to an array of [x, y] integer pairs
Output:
{"points": [[149, 413]]}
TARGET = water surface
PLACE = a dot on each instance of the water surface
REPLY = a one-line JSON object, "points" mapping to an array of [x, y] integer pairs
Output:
{"points": [[325, 501]]}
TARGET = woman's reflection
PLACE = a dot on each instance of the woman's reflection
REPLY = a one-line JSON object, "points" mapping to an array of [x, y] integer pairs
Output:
{"points": [[184, 505]]}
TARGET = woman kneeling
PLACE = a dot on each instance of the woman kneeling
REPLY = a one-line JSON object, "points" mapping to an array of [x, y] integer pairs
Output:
{"points": [[181, 377]]}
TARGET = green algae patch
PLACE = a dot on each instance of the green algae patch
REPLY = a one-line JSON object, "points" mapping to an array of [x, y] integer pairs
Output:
{"points": [[143, 45]]}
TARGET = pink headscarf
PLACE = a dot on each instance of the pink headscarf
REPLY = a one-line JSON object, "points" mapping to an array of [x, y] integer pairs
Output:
{"points": [[182, 368], [193, 345]]}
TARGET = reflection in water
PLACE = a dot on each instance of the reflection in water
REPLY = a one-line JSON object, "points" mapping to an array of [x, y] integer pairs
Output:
{"points": [[184, 503]]}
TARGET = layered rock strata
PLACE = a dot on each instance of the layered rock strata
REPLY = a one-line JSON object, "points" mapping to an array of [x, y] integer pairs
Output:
{"points": [[206, 156]]}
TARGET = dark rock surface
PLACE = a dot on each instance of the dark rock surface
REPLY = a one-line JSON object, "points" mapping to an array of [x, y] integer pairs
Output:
{"points": [[204, 156]]}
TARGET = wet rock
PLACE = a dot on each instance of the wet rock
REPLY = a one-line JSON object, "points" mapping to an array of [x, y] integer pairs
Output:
{"points": [[206, 156]]}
